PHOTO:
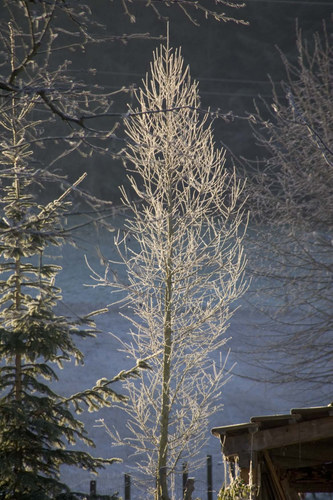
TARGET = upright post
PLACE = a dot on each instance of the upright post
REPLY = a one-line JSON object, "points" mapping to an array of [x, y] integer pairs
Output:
{"points": [[189, 488], [93, 488], [185, 477], [127, 486], [209, 478]]}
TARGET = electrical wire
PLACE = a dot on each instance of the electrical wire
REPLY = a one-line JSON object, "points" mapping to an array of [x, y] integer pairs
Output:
{"points": [[291, 2], [199, 78]]}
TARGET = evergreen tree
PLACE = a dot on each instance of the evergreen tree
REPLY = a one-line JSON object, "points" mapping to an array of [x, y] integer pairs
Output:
{"points": [[36, 424]]}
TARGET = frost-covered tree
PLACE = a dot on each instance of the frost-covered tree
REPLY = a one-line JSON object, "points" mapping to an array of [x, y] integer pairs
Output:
{"points": [[184, 259], [292, 204], [40, 42]]}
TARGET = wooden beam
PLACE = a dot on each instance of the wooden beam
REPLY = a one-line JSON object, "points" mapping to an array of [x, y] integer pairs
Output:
{"points": [[276, 437], [290, 493], [303, 455], [312, 430], [274, 476], [311, 486], [239, 446]]}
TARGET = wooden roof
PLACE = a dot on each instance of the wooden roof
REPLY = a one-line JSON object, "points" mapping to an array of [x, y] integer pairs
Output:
{"points": [[297, 446], [271, 421]]}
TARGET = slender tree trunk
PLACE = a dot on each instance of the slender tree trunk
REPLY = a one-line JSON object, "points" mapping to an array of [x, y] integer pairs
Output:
{"points": [[18, 373], [18, 357], [162, 484], [162, 490]]}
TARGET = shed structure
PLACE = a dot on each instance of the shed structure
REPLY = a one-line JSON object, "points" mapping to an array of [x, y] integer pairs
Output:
{"points": [[289, 454]]}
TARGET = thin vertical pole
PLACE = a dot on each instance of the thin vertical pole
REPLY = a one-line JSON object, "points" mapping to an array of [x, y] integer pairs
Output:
{"points": [[93, 488], [209, 478], [127, 486], [185, 477], [189, 488]]}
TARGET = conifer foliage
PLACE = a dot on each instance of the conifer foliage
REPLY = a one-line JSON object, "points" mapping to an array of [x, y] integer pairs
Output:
{"points": [[36, 424]]}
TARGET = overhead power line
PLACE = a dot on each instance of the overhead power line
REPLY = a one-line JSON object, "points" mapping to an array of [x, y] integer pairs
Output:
{"points": [[196, 77], [292, 2]]}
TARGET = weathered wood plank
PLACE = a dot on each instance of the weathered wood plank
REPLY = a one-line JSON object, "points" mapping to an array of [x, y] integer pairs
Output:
{"points": [[276, 437], [301, 432], [274, 476]]}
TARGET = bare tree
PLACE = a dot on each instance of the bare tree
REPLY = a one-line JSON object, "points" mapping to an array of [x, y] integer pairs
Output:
{"points": [[184, 260], [36, 39], [41, 43], [292, 204]]}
